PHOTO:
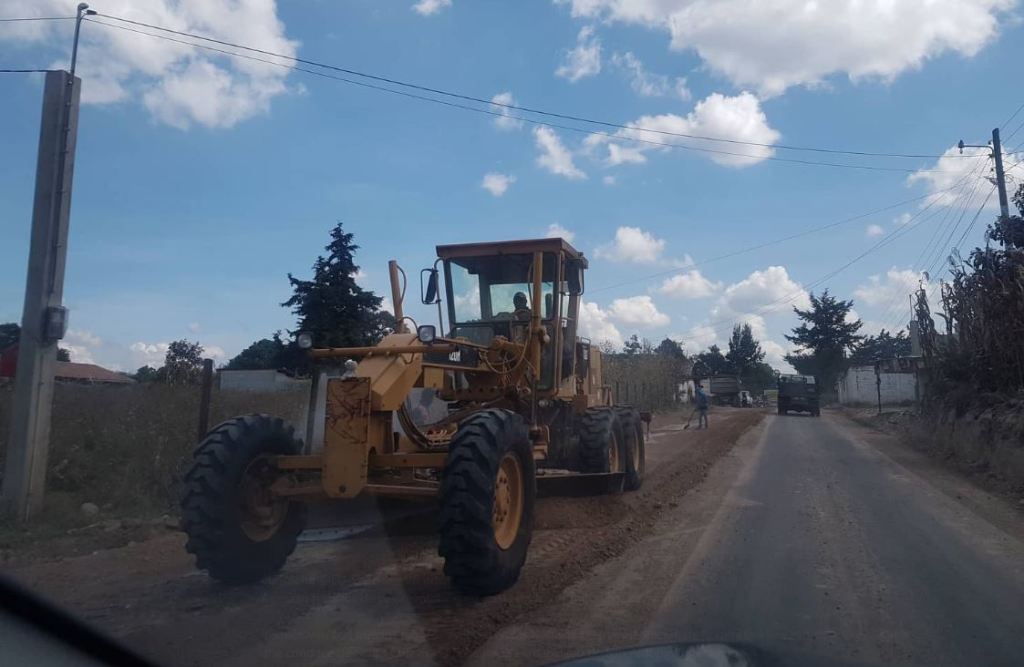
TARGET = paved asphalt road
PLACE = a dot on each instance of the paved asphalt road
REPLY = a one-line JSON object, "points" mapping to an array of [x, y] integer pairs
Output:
{"points": [[827, 548]]}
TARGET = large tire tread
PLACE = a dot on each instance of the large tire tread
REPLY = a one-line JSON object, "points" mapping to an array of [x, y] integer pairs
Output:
{"points": [[632, 430], [209, 515], [473, 560]]}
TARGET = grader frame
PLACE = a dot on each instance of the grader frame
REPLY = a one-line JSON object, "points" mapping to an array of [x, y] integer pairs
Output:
{"points": [[523, 391]]}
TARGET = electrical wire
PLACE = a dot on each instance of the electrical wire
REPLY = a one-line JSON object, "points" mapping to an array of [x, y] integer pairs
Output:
{"points": [[506, 106], [16, 19], [789, 298], [766, 244], [533, 121], [23, 71]]}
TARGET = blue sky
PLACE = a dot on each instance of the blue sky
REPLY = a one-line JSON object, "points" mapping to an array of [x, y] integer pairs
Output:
{"points": [[202, 180]]}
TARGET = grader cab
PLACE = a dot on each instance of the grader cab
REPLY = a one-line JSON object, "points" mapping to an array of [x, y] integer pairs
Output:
{"points": [[475, 416]]}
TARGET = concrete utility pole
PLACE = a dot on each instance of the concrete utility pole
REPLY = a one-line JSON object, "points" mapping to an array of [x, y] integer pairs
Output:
{"points": [[44, 319], [997, 152], [997, 156]]}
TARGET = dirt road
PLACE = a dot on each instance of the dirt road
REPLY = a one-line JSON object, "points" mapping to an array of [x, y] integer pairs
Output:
{"points": [[378, 596], [818, 541]]}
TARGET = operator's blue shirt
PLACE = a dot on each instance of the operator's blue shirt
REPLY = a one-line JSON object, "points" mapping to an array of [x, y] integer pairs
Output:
{"points": [[702, 399]]}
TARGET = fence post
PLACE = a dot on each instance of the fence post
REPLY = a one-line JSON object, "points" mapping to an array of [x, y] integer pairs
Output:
{"points": [[204, 399]]}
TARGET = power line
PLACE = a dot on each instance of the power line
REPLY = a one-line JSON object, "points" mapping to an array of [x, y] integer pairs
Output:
{"points": [[509, 106], [1013, 115], [22, 71], [15, 19], [961, 203], [806, 232], [893, 308], [787, 299], [533, 121]]}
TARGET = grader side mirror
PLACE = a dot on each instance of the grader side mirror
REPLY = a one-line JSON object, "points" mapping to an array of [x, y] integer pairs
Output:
{"points": [[428, 290]]}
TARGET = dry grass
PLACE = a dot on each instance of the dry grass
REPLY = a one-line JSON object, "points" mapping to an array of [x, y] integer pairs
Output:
{"points": [[125, 448]]}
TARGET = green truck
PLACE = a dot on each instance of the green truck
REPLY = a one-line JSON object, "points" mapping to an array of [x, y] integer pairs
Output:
{"points": [[798, 393]]}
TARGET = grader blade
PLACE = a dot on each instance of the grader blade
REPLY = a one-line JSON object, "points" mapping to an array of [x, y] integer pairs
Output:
{"points": [[577, 485]]}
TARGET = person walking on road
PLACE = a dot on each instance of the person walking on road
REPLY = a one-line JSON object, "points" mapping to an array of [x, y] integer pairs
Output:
{"points": [[701, 400]]}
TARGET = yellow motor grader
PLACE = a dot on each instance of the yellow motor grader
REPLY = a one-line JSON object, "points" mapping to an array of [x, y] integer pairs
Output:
{"points": [[521, 404]]}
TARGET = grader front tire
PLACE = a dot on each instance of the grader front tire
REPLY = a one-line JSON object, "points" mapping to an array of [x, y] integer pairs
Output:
{"points": [[237, 531], [488, 488]]}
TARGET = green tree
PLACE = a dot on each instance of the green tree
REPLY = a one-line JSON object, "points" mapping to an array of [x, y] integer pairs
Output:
{"points": [[10, 332], [146, 374], [632, 346], [825, 337], [882, 346], [711, 362], [183, 363], [744, 350], [759, 377], [331, 306], [264, 354], [671, 348]]}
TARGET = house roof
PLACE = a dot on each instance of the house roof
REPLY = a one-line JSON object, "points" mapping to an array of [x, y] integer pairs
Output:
{"points": [[69, 370]]}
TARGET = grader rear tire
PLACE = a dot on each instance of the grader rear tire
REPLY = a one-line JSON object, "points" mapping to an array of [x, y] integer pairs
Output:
{"points": [[238, 532], [601, 441], [633, 444], [488, 487]]}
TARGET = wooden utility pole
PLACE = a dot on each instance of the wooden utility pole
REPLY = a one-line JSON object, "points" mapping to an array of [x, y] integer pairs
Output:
{"points": [[206, 388], [44, 319]]}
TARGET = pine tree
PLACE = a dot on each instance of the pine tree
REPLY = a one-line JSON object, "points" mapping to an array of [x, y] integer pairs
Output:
{"points": [[331, 306], [744, 350], [825, 338]]}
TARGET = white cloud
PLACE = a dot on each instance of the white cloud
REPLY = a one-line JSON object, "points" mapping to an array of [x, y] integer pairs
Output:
{"points": [[875, 230], [638, 311], [193, 327], [619, 154], [596, 325], [632, 244], [770, 290], [718, 116], [81, 345], [497, 184], [82, 337], [942, 178], [554, 156], [608, 180], [148, 354], [689, 285], [701, 337], [506, 121], [775, 355], [648, 84], [584, 59], [180, 86], [902, 219], [213, 352], [887, 290], [430, 7], [556, 230], [775, 44]]}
